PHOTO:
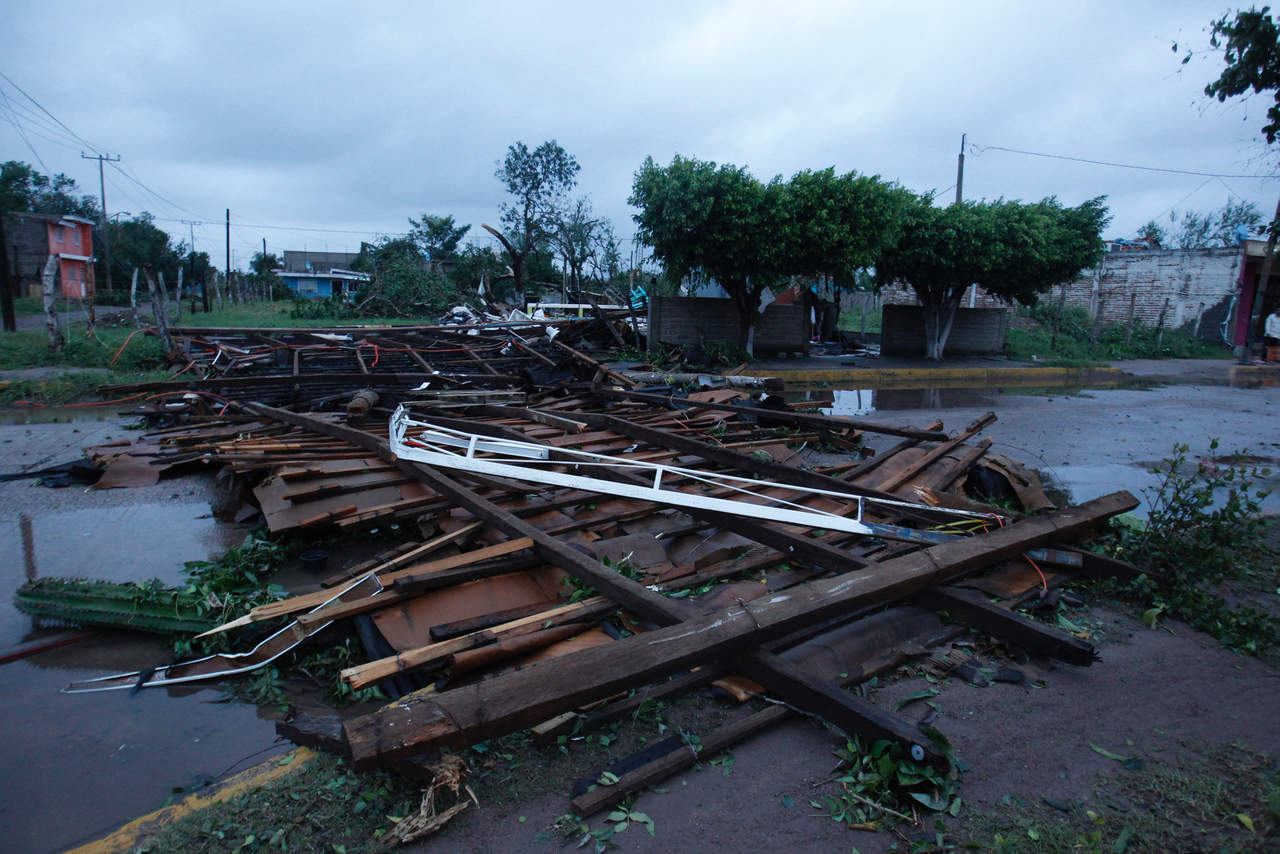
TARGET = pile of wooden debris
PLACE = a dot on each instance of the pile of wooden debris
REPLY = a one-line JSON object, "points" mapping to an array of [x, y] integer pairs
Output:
{"points": [[586, 548]]}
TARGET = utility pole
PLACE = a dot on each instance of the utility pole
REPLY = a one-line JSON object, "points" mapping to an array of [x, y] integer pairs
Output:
{"points": [[228, 251], [102, 188], [191, 264], [960, 170], [6, 284]]}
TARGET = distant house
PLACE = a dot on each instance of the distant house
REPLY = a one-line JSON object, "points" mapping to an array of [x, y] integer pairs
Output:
{"points": [[33, 237], [323, 285], [320, 275]]}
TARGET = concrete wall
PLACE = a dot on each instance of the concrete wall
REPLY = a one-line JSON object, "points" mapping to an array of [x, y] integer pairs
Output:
{"points": [[974, 332], [678, 320], [1189, 287]]}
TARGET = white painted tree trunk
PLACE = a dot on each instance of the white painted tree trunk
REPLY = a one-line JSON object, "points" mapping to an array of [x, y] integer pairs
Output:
{"points": [[133, 298], [177, 299], [56, 341]]}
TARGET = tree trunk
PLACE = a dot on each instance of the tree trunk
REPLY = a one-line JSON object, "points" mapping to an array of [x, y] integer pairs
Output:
{"points": [[938, 317], [133, 297], [158, 297], [56, 341], [745, 302], [177, 298], [90, 292]]}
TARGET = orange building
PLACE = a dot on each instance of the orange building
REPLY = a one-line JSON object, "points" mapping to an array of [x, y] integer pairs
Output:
{"points": [[33, 237]]}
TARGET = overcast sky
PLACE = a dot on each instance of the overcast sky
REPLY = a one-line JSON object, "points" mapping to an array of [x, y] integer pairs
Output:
{"points": [[339, 121]]}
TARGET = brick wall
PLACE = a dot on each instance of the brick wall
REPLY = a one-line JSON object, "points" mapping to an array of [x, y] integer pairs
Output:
{"points": [[677, 320], [974, 332], [1196, 283]]}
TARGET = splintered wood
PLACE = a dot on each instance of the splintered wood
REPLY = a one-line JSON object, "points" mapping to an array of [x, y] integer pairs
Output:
{"points": [[537, 595]]}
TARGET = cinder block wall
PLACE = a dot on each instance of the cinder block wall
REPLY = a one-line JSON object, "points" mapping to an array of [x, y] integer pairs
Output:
{"points": [[677, 320], [974, 332], [1197, 283]]}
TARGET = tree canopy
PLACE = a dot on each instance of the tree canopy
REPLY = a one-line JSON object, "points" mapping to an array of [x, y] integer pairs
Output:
{"points": [[436, 236], [717, 218], [1014, 251], [538, 182], [1250, 44], [1216, 228], [139, 241], [22, 188]]}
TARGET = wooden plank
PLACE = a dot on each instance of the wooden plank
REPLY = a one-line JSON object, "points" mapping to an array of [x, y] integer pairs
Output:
{"points": [[510, 701], [677, 760], [923, 463], [821, 422]]}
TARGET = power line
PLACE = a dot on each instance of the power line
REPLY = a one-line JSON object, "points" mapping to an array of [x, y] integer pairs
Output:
{"points": [[40, 106], [975, 148]]}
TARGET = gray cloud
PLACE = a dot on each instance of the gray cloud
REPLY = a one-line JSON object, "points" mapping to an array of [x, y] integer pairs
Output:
{"points": [[353, 118]]}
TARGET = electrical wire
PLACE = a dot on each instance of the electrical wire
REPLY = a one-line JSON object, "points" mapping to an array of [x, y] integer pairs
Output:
{"points": [[978, 149]]}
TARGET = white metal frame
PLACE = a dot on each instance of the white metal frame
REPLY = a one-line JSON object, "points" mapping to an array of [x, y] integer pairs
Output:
{"points": [[527, 461]]}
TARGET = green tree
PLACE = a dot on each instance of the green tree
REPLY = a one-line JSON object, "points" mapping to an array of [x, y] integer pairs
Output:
{"points": [[139, 241], [718, 219], [700, 216], [401, 284], [1014, 251], [575, 238], [436, 236], [1154, 233], [537, 181], [1217, 228], [22, 188], [1250, 45]]}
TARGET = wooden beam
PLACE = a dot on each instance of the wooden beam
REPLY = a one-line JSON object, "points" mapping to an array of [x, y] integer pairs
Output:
{"points": [[520, 698], [973, 608]]}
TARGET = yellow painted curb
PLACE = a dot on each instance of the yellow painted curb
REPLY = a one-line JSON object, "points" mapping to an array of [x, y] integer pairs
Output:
{"points": [[132, 834], [873, 377]]}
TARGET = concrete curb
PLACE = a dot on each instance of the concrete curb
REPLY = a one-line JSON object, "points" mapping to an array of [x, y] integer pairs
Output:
{"points": [[135, 832]]}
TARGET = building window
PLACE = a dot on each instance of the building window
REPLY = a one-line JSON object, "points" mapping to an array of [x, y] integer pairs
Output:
{"points": [[75, 236]]}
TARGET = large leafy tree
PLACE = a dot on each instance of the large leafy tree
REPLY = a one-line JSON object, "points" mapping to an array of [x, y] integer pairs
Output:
{"points": [[22, 188], [697, 215], [139, 241], [577, 236], [1014, 251], [436, 236], [1250, 45], [538, 181], [1217, 228]]}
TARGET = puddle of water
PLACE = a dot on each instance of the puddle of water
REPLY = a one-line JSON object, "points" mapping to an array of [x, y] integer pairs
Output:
{"points": [[130, 543], [55, 414], [1085, 482], [854, 402], [94, 761]]}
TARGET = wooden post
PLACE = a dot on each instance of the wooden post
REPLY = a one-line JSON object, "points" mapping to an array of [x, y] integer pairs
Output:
{"points": [[56, 341], [158, 297], [7, 284], [1128, 335], [1160, 323]]}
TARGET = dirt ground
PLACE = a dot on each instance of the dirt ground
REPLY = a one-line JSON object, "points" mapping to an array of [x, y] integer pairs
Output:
{"points": [[1166, 692], [1155, 693]]}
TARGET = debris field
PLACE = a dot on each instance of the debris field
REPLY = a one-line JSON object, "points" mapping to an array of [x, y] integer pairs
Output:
{"points": [[585, 544]]}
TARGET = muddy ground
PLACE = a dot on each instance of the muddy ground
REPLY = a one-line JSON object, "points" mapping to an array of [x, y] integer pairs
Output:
{"points": [[81, 764]]}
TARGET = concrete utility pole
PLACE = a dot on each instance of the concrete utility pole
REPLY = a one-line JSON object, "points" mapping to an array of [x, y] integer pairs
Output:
{"points": [[228, 250], [102, 189], [960, 170], [191, 265]]}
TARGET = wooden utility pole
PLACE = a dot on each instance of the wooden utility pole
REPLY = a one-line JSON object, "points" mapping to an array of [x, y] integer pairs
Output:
{"points": [[191, 267], [6, 283], [960, 170], [228, 249], [102, 189]]}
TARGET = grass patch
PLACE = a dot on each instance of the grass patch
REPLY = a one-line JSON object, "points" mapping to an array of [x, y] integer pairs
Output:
{"points": [[1078, 342], [282, 314], [856, 321], [1227, 799], [70, 386]]}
